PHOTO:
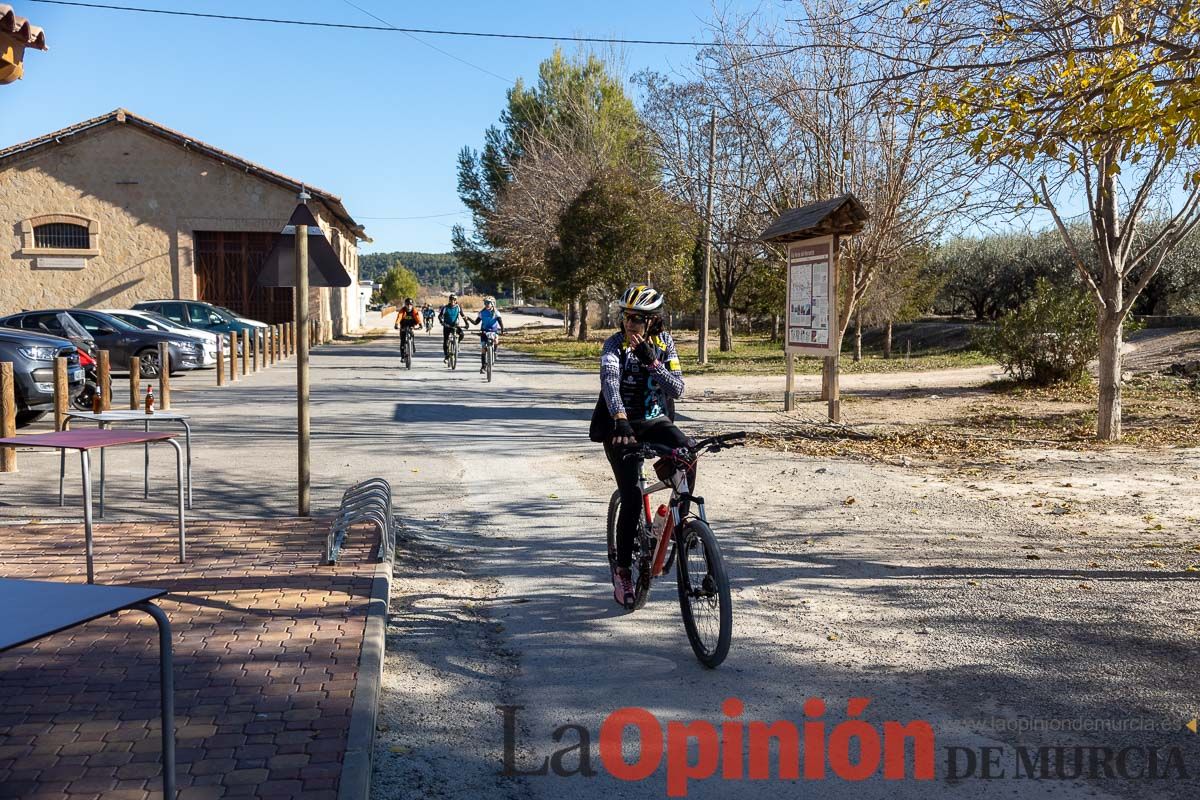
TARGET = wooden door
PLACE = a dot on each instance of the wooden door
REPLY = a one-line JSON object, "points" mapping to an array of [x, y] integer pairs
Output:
{"points": [[227, 265]]}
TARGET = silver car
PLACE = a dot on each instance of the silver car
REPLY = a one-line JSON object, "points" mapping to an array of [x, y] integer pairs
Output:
{"points": [[151, 321]]}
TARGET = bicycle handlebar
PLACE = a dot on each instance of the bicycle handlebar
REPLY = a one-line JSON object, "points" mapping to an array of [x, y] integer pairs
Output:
{"points": [[689, 452]]}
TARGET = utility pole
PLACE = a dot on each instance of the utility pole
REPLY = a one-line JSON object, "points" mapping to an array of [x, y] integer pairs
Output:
{"points": [[702, 348], [302, 418]]}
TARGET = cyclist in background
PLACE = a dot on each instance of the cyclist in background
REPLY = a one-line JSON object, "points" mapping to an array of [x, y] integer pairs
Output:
{"points": [[407, 318], [489, 323], [428, 314], [453, 319]]}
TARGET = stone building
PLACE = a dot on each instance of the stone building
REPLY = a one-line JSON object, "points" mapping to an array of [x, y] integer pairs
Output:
{"points": [[119, 209]]}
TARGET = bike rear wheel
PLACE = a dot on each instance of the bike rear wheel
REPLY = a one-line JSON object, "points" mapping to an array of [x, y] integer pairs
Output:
{"points": [[453, 351], [641, 561], [408, 352], [704, 599], [490, 359]]}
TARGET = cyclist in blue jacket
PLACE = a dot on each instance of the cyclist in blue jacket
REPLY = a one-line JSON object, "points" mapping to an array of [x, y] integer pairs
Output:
{"points": [[489, 322], [453, 320]]}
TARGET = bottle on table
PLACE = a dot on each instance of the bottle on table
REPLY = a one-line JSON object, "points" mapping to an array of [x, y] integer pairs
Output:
{"points": [[149, 400]]}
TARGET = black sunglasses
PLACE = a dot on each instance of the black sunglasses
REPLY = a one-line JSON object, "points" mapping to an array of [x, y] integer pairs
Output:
{"points": [[642, 319]]}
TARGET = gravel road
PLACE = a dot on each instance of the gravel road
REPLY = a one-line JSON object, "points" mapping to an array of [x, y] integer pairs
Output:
{"points": [[965, 600]]}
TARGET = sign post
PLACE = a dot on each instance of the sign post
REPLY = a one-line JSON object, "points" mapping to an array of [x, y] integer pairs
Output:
{"points": [[304, 475], [302, 258], [811, 237]]}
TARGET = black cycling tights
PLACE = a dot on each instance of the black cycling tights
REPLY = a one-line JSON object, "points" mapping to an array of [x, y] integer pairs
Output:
{"points": [[627, 470], [447, 331]]}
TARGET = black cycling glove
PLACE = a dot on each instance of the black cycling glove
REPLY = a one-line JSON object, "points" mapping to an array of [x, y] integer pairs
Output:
{"points": [[645, 352], [622, 429]]}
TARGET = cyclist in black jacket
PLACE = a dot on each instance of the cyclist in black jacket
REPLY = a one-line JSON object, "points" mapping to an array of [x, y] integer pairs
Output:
{"points": [[640, 379]]}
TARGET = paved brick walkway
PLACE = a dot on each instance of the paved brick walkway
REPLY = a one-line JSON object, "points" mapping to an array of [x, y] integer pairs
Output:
{"points": [[266, 642]]}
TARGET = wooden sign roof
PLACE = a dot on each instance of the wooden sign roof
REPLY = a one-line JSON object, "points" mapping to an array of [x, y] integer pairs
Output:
{"points": [[838, 215]]}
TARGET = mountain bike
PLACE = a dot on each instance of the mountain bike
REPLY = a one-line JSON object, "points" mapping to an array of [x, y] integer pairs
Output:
{"points": [[489, 353], [452, 361], [408, 346], [429, 324], [681, 537]]}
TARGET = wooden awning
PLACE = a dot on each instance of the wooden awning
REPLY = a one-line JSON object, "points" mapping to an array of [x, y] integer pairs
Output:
{"points": [[839, 215], [16, 34]]}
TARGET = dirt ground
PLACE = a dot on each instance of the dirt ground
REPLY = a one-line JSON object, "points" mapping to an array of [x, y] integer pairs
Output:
{"points": [[1011, 595]]}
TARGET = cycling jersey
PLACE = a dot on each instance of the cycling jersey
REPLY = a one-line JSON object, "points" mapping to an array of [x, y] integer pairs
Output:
{"points": [[642, 392], [450, 315], [407, 319], [489, 321]]}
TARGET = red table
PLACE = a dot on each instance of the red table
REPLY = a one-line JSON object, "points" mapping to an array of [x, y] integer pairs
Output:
{"points": [[85, 440]]}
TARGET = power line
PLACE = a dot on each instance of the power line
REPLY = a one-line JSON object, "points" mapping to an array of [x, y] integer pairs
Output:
{"points": [[389, 28], [435, 48]]}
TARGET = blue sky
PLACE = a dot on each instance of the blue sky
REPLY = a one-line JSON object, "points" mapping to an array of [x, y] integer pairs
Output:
{"points": [[383, 116]]}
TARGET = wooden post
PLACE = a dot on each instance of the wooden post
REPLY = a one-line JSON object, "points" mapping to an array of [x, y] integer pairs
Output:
{"points": [[271, 342], [8, 414], [233, 357], [260, 337], [104, 380], [220, 361], [250, 351], [135, 380], [62, 393], [304, 474], [835, 395], [835, 333], [291, 338], [164, 377], [789, 390], [278, 342]]}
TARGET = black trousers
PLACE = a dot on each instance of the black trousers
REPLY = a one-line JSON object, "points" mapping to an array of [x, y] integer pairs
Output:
{"points": [[447, 330], [627, 470]]}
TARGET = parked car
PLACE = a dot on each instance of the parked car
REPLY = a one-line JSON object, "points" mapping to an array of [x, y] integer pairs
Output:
{"points": [[32, 356], [120, 339], [202, 316], [150, 321]]}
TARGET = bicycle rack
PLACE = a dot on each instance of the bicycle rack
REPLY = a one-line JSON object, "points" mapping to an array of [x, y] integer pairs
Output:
{"points": [[368, 501]]}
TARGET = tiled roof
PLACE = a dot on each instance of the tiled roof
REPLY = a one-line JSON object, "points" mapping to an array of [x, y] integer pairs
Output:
{"points": [[20, 29], [122, 117]]}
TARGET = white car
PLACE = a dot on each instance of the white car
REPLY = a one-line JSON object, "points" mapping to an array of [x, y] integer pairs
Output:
{"points": [[149, 320]]}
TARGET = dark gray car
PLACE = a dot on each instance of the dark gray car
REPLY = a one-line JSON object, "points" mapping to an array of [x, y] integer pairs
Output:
{"points": [[32, 356], [120, 339]]}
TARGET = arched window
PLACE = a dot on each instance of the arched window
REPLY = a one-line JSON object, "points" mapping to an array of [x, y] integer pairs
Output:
{"points": [[60, 236]]}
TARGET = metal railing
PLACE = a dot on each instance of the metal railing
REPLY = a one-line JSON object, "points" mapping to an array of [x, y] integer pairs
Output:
{"points": [[368, 501]]}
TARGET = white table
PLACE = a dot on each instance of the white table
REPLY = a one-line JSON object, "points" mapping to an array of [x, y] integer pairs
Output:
{"points": [[106, 419]]}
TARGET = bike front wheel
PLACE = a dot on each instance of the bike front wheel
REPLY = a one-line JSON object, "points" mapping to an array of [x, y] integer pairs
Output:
{"points": [[704, 599], [490, 360]]}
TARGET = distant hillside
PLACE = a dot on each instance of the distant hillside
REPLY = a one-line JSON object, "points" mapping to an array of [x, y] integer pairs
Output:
{"points": [[433, 270]]}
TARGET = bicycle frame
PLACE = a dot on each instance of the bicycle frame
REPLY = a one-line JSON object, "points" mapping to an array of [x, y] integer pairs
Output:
{"points": [[678, 484]]}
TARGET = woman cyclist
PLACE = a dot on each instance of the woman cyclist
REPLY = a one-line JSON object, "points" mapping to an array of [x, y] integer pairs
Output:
{"points": [[640, 379], [490, 324]]}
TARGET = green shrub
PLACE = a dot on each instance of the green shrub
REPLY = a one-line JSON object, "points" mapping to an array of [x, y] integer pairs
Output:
{"points": [[1049, 339]]}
